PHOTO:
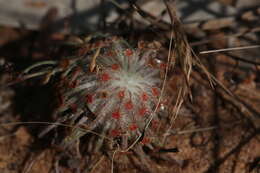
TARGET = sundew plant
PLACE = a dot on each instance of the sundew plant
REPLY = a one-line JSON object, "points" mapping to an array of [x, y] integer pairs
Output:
{"points": [[112, 90]]}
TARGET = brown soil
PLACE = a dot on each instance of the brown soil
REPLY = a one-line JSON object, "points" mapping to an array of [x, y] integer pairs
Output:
{"points": [[215, 132]]}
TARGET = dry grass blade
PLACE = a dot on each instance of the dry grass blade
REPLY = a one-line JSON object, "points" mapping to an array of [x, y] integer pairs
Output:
{"points": [[182, 50], [97, 164], [230, 49], [184, 54]]}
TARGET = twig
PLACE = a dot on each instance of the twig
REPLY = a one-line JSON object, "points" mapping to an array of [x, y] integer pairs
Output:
{"points": [[57, 124], [214, 38]]}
